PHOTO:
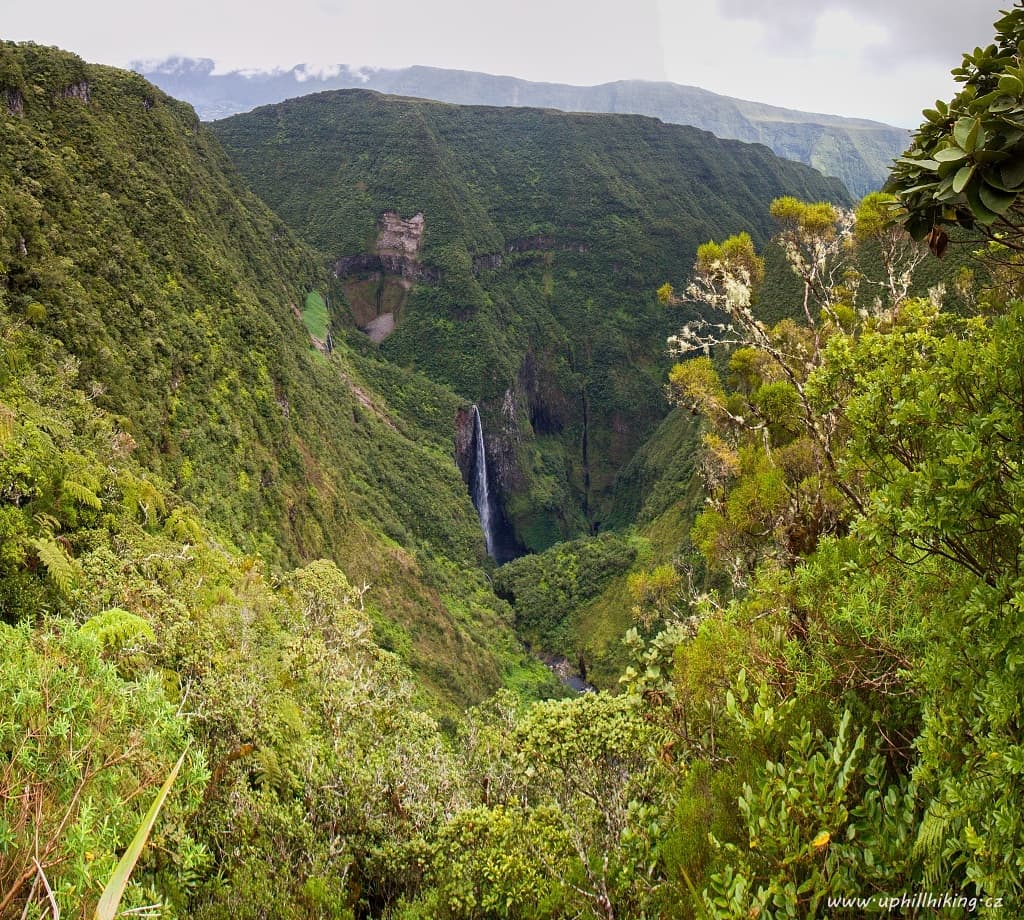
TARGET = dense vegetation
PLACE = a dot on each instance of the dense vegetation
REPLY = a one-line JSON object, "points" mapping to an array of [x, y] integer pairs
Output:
{"points": [[560, 343], [822, 711], [857, 151], [126, 237]]}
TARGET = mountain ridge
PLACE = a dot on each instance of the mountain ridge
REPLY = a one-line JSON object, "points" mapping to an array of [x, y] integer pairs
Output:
{"points": [[859, 151], [540, 238]]}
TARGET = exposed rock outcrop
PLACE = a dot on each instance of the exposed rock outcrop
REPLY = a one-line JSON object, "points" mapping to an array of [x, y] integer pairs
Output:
{"points": [[399, 236], [464, 442], [388, 264], [396, 252], [81, 91], [13, 100]]}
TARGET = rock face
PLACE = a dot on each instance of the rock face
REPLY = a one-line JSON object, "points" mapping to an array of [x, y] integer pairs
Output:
{"points": [[464, 442], [396, 252], [401, 237], [388, 264], [80, 90], [13, 100], [384, 276]]}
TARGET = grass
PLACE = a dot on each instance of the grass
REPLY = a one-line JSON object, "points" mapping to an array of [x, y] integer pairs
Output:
{"points": [[315, 316]]}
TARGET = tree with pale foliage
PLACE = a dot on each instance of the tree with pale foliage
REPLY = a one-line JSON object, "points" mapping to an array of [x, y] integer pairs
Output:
{"points": [[770, 456]]}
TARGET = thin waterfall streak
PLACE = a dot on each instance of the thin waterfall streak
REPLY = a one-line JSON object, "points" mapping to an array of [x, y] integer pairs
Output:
{"points": [[481, 488]]}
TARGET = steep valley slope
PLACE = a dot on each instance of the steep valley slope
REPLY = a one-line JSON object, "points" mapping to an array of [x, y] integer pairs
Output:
{"points": [[856, 150], [175, 297], [516, 254]]}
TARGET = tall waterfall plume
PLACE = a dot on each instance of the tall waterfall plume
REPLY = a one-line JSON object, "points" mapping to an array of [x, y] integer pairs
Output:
{"points": [[481, 491]]}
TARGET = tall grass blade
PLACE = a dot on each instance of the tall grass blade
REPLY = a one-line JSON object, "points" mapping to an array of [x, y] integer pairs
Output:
{"points": [[112, 894]]}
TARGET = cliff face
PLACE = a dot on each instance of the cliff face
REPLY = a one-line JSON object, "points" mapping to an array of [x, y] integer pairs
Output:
{"points": [[395, 252], [514, 255], [857, 151]]}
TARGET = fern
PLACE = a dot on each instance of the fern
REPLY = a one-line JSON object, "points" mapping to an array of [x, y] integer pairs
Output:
{"points": [[269, 771], [932, 834], [54, 427], [183, 527], [115, 628], [46, 523], [62, 569], [81, 494]]}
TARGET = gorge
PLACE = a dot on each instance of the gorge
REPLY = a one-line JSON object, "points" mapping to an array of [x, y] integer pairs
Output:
{"points": [[518, 252], [365, 554]]}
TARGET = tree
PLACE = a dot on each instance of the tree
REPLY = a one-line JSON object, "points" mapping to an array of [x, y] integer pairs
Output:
{"points": [[770, 459], [965, 166]]}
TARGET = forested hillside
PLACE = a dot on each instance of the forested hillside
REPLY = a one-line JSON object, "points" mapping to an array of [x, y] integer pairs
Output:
{"points": [[130, 242], [544, 237], [857, 151]]}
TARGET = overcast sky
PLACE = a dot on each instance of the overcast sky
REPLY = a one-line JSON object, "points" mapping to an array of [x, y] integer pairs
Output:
{"points": [[881, 59]]}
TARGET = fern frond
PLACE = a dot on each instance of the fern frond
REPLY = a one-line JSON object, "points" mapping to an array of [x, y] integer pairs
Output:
{"points": [[53, 427], [116, 628], [183, 527], [932, 838], [62, 569], [269, 771], [933, 830], [81, 494], [47, 523]]}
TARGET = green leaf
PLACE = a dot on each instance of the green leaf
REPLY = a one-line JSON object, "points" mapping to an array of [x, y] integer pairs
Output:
{"points": [[996, 200], [1011, 85], [993, 178], [114, 891], [962, 177], [950, 155], [925, 163], [989, 156], [1012, 173], [918, 188], [982, 214], [965, 133]]}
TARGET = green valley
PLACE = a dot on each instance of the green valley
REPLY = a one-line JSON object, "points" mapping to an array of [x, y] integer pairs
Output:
{"points": [[281, 396], [527, 282], [132, 244]]}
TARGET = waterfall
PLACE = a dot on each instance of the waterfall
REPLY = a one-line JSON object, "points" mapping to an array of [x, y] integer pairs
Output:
{"points": [[481, 490]]}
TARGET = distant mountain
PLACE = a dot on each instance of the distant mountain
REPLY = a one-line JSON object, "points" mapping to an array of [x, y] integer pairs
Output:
{"points": [[513, 254], [855, 150]]}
